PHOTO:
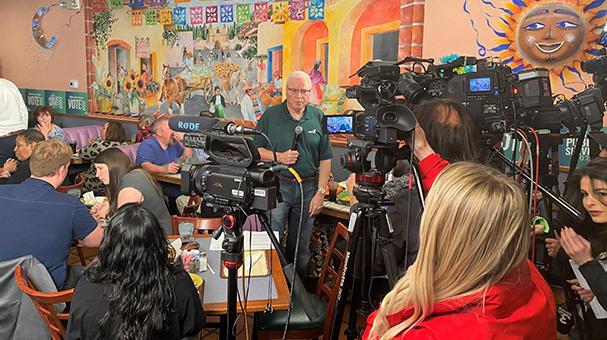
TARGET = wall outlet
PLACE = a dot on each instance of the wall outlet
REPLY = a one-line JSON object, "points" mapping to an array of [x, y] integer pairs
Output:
{"points": [[71, 4], [74, 84]]}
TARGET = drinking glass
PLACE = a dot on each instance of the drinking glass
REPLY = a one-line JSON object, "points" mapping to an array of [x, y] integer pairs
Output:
{"points": [[186, 230]]}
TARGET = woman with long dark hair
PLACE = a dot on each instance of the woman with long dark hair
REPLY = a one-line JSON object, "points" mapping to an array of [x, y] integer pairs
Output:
{"points": [[587, 244], [126, 184], [112, 135], [132, 291]]}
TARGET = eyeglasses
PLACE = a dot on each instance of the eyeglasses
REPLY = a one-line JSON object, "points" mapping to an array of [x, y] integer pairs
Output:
{"points": [[298, 91]]}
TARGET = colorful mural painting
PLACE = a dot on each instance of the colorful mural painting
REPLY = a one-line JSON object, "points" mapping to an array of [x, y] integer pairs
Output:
{"points": [[230, 59], [557, 35]]}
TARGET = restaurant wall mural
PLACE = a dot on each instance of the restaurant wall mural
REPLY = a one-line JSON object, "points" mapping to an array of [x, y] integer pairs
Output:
{"points": [[229, 60]]}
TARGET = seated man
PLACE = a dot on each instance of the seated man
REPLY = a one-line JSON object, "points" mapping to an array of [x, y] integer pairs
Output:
{"points": [[37, 220], [163, 154], [17, 170]]}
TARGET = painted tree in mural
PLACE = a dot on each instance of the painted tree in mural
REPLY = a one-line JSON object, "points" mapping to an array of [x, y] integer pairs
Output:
{"points": [[557, 35]]}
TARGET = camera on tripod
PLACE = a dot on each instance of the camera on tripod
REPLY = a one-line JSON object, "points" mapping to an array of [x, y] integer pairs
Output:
{"points": [[379, 126], [499, 99], [231, 176]]}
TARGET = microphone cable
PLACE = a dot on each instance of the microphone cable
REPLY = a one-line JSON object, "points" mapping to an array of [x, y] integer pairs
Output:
{"points": [[301, 212]]}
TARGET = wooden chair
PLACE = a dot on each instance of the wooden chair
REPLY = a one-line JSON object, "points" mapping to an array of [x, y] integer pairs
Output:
{"points": [[76, 186], [44, 303], [200, 224], [191, 209], [271, 326]]}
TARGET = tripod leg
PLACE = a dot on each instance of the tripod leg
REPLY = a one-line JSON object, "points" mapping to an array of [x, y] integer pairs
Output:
{"points": [[357, 290], [345, 284]]}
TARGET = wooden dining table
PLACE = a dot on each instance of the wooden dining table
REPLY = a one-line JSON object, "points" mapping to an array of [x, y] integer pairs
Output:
{"points": [[215, 296]]}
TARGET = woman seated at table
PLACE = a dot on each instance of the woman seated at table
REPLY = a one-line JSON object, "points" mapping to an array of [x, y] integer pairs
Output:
{"points": [[126, 184], [17, 170], [45, 118], [112, 135], [132, 291], [471, 279]]}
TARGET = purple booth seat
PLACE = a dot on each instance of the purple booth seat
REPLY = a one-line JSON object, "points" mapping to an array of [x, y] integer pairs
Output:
{"points": [[130, 150], [81, 135]]}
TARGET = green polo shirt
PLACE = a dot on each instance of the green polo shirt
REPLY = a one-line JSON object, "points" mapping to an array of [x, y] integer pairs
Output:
{"points": [[278, 124]]}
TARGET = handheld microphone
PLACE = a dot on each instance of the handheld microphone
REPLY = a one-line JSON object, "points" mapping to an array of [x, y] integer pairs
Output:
{"points": [[297, 137], [191, 123]]}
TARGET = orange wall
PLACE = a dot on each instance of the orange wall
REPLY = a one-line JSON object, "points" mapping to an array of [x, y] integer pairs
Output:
{"points": [[315, 32], [27, 64], [390, 11]]}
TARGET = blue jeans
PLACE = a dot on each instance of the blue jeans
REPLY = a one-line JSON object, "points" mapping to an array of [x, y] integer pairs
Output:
{"points": [[287, 213]]}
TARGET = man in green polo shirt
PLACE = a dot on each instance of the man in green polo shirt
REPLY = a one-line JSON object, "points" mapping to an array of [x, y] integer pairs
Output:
{"points": [[311, 158]]}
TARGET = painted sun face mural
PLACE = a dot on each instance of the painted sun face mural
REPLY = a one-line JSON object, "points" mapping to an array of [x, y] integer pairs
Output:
{"points": [[554, 34], [550, 35]]}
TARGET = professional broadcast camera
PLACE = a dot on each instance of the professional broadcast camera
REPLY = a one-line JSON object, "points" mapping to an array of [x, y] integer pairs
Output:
{"points": [[231, 176], [380, 126]]}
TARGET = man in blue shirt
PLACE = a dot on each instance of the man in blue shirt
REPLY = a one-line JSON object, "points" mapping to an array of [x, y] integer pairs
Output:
{"points": [[37, 220], [163, 154]]}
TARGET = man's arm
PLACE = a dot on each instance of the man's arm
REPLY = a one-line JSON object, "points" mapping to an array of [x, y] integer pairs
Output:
{"points": [[160, 169], [317, 201], [288, 157], [93, 239], [324, 170]]}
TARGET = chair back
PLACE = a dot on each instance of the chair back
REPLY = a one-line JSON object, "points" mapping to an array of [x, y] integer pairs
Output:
{"points": [[200, 224], [130, 150], [332, 271], [81, 135], [44, 303], [191, 209], [76, 186]]}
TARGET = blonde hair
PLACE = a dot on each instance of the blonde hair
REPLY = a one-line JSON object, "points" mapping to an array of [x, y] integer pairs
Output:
{"points": [[474, 230], [48, 156]]}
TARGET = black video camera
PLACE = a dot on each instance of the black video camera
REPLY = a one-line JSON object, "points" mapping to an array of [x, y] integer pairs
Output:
{"points": [[498, 99], [231, 176]]}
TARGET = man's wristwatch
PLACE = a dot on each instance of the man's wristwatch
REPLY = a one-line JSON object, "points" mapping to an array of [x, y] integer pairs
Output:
{"points": [[322, 190]]}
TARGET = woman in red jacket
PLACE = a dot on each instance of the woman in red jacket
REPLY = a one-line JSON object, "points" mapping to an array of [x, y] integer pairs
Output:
{"points": [[471, 279]]}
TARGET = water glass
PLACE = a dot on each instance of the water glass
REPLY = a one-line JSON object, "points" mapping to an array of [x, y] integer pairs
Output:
{"points": [[186, 230]]}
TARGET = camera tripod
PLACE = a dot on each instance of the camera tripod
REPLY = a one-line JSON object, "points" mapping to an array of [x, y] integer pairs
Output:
{"points": [[369, 226], [232, 259]]}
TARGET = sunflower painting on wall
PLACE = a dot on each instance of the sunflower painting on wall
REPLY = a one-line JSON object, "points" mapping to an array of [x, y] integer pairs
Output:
{"points": [[553, 34]]}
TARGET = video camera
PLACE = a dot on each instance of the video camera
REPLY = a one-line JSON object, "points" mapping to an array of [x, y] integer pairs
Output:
{"points": [[231, 175], [499, 99], [379, 127]]}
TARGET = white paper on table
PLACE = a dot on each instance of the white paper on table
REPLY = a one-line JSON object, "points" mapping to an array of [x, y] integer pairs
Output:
{"points": [[597, 309], [259, 241]]}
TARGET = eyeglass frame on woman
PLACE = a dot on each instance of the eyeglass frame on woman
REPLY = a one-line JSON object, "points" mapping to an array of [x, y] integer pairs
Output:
{"points": [[299, 92]]}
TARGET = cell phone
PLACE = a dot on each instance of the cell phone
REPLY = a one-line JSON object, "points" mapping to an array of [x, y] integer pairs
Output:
{"points": [[338, 124]]}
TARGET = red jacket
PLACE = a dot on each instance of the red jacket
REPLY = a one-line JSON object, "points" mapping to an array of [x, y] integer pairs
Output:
{"points": [[429, 168], [520, 306]]}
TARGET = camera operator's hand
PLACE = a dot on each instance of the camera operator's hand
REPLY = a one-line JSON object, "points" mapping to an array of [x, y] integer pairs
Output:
{"points": [[585, 294], [172, 168], [421, 148], [552, 246], [179, 136], [288, 157]]}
